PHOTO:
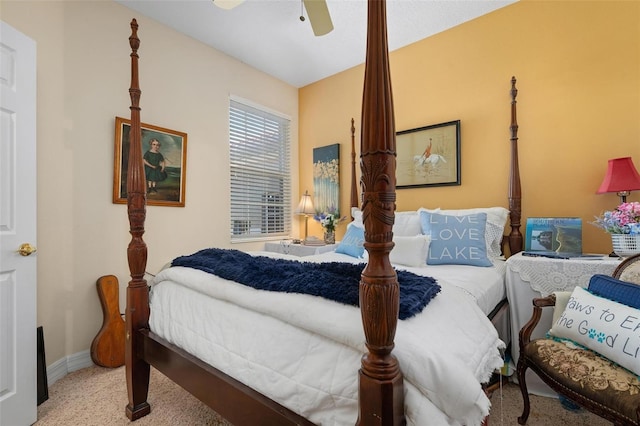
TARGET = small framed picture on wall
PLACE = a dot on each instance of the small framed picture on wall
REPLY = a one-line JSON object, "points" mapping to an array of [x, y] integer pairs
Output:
{"points": [[428, 156]]}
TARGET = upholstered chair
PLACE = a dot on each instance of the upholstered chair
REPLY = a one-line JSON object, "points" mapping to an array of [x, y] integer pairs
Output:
{"points": [[583, 376], [629, 270]]}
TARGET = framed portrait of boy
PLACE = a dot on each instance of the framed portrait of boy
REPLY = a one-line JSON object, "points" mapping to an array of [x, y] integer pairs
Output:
{"points": [[165, 164]]}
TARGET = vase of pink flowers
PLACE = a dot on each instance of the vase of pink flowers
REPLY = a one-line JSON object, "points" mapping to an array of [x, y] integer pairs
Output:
{"points": [[623, 224]]}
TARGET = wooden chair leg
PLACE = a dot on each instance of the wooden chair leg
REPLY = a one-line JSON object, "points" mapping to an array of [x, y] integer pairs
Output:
{"points": [[521, 370]]}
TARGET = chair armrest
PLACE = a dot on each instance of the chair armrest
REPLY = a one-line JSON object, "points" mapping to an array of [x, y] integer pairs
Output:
{"points": [[538, 304]]}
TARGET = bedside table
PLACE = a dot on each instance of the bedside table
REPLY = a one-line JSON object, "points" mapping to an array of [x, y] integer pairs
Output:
{"points": [[298, 249], [530, 277]]}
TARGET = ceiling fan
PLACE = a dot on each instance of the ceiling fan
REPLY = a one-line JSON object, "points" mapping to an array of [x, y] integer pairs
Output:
{"points": [[317, 11]]}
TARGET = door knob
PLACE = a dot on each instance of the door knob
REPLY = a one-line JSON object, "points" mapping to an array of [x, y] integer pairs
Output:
{"points": [[26, 249]]}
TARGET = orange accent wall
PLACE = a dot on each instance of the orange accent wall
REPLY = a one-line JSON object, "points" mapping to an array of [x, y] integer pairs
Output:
{"points": [[578, 71]]}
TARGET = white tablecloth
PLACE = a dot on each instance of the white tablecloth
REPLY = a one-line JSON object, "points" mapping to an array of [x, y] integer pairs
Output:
{"points": [[530, 277]]}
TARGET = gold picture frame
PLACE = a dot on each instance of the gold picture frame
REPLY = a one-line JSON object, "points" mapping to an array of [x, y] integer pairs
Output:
{"points": [[165, 156]]}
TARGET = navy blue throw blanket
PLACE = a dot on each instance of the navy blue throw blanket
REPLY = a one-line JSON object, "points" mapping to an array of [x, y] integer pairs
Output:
{"points": [[335, 281]]}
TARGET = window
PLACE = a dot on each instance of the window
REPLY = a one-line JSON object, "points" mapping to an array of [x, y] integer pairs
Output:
{"points": [[259, 145]]}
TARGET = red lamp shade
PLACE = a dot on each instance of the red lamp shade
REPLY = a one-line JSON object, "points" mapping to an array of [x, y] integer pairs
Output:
{"points": [[621, 176]]}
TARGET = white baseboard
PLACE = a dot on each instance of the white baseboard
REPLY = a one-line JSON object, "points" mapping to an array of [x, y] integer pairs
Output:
{"points": [[68, 364]]}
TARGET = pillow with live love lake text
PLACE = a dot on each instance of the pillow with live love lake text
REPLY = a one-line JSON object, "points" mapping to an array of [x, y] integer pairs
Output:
{"points": [[496, 221], [456, 240]]}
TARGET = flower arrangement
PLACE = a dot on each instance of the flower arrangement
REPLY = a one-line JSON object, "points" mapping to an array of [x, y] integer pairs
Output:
{"points": [[329, 221], [625, 219]]}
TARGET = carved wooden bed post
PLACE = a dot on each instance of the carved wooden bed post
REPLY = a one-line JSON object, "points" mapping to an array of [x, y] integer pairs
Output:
{"points": [[381, 397], [354, 185], [515, 192], [137, 313]]}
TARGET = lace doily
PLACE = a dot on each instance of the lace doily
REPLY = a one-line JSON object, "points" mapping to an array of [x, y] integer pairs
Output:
{"points": [[547, 275]]}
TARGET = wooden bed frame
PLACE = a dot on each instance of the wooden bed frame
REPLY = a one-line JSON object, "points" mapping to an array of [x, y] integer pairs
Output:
{"points": [[381, 395]]}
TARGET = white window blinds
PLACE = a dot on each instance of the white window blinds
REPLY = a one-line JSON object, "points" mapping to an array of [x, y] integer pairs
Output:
{"points": [[260, 172]]}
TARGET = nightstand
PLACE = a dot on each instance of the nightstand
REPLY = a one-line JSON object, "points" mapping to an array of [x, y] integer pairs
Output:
{"points": [[530, 277], [298, 249]]}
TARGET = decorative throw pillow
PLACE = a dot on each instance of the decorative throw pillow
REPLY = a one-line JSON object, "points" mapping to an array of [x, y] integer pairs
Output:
{"points": [[496, 221], [410, 251], [457, 240], [352, 242], [604, 326], [616, 290]]}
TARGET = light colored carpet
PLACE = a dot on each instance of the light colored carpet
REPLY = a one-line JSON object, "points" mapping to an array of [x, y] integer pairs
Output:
{"points": [[97, 396]]}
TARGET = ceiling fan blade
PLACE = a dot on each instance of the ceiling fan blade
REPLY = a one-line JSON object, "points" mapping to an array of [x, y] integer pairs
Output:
{"points": [[227, 4], [318, 16]]}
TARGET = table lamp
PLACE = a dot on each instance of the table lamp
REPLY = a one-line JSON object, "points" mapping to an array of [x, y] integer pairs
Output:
{"points": [[621, 178], [305, 208]]}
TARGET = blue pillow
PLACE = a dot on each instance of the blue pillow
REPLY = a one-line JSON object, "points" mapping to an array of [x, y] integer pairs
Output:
{"points": [[456, 240], [616, 290], [352, 242]]}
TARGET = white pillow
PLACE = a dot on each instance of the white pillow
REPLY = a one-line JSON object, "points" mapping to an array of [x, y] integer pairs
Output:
{"points": [[602, 325], [356, 214], [410, 251], [562, 298], [496, 221], [406, 224]]}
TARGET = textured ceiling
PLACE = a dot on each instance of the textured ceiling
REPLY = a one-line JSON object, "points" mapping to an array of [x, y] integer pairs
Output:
{"points": [[269, 35]]}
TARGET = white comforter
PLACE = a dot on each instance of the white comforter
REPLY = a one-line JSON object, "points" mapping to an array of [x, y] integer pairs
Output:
{"points": [[304, 351]]}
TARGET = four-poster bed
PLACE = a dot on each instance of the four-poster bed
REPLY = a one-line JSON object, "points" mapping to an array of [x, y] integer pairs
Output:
{"points": [[381, 390]]}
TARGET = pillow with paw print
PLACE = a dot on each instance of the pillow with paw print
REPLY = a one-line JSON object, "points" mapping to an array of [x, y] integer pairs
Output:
{"points": [[602, 325]]}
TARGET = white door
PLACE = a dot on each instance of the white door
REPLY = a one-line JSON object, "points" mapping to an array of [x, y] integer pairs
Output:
{"points": [[18, 386]]}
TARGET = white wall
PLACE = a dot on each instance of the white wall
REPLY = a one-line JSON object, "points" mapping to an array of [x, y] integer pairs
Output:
{"points": [[83, 81]]}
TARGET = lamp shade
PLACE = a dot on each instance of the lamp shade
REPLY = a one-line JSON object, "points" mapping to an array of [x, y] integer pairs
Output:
{"points": [[621, 176], [306, 205], [227, 4]]}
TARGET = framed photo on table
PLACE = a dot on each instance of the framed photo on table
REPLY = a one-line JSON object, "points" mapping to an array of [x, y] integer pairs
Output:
{"points": [[553, 234], [428, 156], [165, 164]]}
